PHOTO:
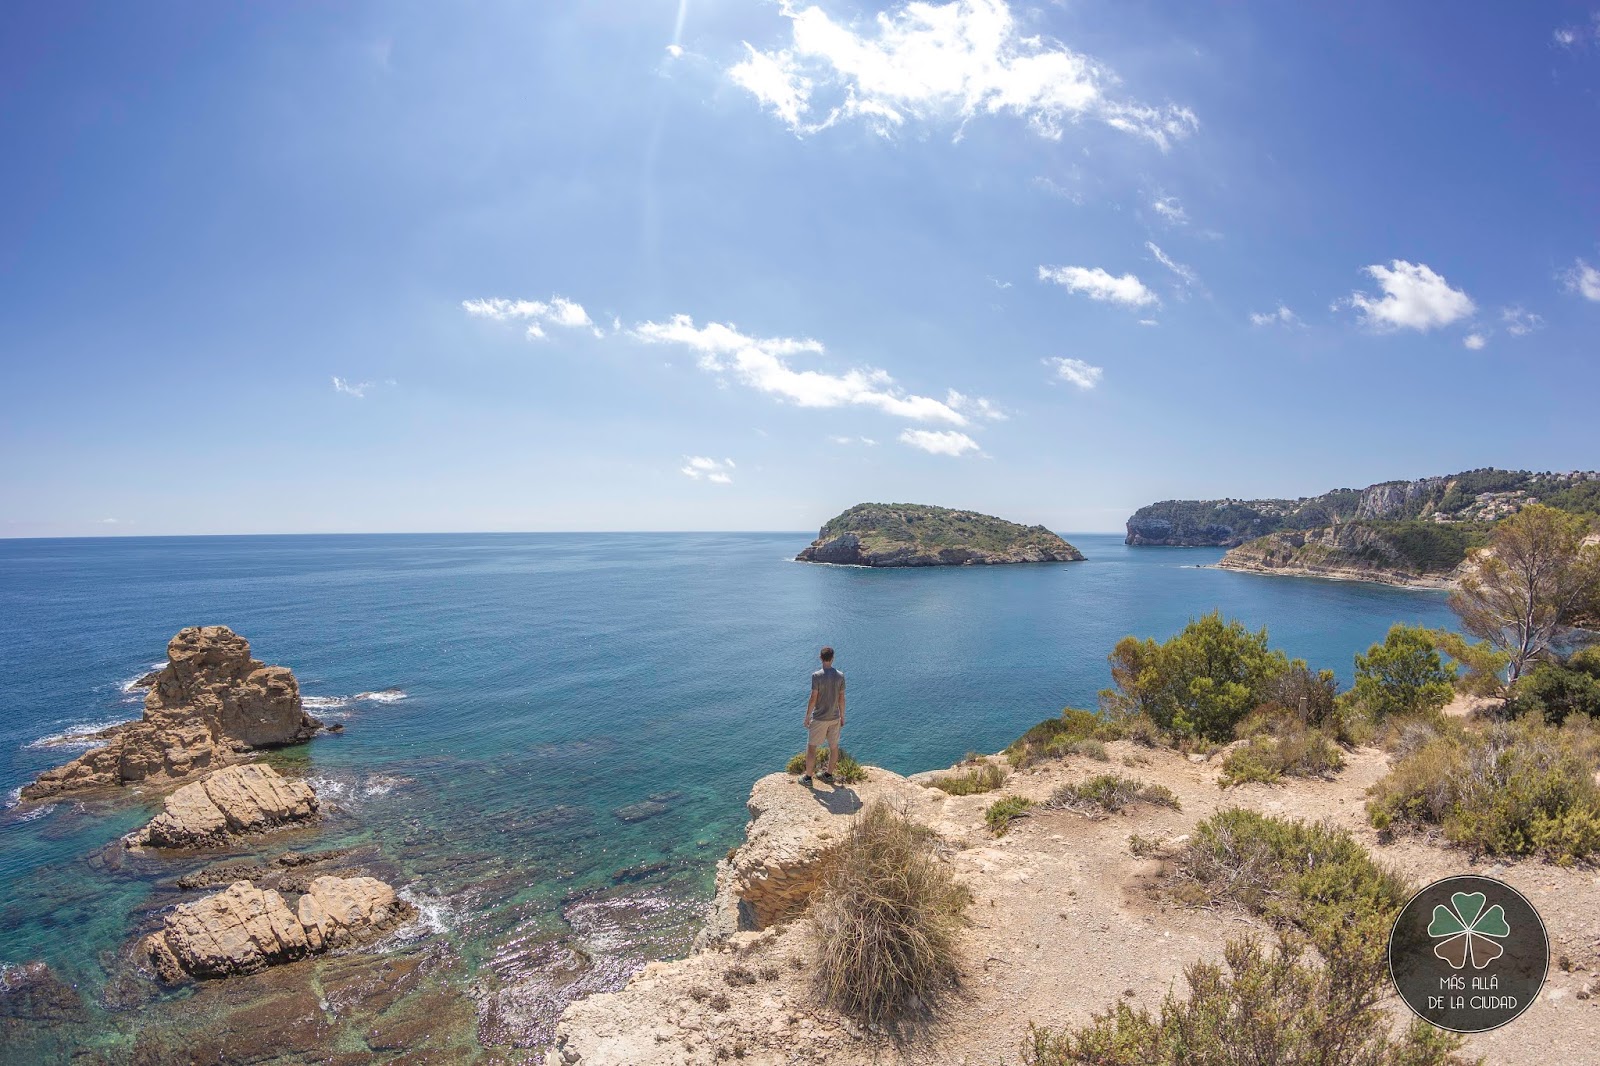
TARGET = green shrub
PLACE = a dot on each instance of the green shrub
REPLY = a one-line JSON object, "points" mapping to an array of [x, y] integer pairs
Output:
{"points": [[1142, 846], [1002, 812], [1295, 751], [1310, 876], [1555, 691], [1198, 684], [1403, 675], [1090, 748], [1520, 788], [1313, 881], [1272, 1008], [1054, 738], [849, 772], [886, 918], [985, 777], [1111, 793]]}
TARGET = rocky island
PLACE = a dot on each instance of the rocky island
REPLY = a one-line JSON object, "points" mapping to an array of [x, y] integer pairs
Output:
{"points": [[1414, 534], [211, 705], [912, 534]]}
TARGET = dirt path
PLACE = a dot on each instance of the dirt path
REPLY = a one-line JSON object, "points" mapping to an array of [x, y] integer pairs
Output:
{"points": [[1063, 926]]}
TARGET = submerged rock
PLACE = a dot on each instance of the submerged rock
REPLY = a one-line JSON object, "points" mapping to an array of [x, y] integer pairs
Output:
{"points": [[245, 929], [228, 803], [211, 704]]}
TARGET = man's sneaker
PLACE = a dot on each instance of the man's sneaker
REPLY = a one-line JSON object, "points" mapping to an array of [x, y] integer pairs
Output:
{"points": [[805, 779], [826, 777]]}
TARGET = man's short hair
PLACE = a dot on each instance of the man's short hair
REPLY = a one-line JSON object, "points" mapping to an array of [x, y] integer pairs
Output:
{"points": [[827, 655]]}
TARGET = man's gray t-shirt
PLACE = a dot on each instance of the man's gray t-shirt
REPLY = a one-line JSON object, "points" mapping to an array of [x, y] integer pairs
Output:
{"points": [[827, 685]]}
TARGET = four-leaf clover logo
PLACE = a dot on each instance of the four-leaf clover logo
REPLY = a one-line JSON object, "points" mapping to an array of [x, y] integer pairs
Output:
{"points": [[1468, 930]]}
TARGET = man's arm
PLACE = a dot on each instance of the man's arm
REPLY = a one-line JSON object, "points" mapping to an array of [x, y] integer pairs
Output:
{"points": [[841, 705], [811, 704]]}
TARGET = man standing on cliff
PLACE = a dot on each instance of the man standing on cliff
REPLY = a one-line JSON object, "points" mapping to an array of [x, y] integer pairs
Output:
{"points": [[824, 717]]}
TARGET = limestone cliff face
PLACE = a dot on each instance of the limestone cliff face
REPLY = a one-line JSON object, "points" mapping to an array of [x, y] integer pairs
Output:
{"points": [[907, 534], [211, 704], [1353, 552]]}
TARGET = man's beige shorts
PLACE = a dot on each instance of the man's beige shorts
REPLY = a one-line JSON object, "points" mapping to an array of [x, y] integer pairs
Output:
{"points": [[820, 733]]}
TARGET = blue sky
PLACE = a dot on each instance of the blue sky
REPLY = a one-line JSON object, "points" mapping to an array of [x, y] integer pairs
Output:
{"points": [[724, 264]]}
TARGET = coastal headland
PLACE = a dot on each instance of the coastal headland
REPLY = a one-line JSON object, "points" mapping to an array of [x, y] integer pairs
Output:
{"points": [[1412, 534]]}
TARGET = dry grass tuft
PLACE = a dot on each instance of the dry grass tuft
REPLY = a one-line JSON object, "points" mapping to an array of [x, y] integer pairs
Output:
{"points": [[886, 918], [1109, 794], [983, 777]]}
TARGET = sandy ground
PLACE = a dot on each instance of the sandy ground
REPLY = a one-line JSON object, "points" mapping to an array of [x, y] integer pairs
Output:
{"points": [[1063, 925]]}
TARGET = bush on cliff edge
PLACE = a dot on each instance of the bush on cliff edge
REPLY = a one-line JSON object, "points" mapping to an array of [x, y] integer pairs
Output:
{"points": [[886, 918]]}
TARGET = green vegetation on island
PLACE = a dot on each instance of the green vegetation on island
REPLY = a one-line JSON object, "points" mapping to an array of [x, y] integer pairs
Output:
{"points": [[911, 534]]}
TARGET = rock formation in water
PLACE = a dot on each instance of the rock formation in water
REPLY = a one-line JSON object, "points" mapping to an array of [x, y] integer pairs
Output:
{"points": [[211, 704], [1475, 496], [227, 804], [910, 534], [245, 929]]}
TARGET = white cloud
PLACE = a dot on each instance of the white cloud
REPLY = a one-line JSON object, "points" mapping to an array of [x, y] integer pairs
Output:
{"points": [[975, 405], [1098, 284], [1000, 284], [1077, 371], [934, 442], [774, 80], [762, 364], [716, 471], [1148, 322], [1170, 209], [1414, 297], [675, 51], [1186, 275], [1584, 280], [925, 61], [867, 441], [1566, 36], [560, 311], [358, 389], [1281, 317], [1520, 323], [110, 521], [1475, 341]]}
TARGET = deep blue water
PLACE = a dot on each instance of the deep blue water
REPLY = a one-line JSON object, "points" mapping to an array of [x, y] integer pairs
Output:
{"points": [[550, 679]]}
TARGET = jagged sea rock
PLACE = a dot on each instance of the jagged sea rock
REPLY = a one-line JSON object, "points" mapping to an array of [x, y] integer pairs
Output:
{"points": [[230, 802], [211, 704], [245, 929], [911, 534]]}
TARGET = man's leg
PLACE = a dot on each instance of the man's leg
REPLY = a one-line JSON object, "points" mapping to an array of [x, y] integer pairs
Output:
{"points": [[833, 750], [811, 759]]}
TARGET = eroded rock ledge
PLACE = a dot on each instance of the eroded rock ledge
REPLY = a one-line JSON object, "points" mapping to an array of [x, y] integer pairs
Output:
{"points": [[245, 929], [209, 706], [229, 803]]}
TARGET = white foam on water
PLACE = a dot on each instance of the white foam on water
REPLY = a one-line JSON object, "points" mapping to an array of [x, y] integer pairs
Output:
{"points": [[433, 915], [37, 812], [325, 703], [388, 695], [77, 736], [13, 798]]}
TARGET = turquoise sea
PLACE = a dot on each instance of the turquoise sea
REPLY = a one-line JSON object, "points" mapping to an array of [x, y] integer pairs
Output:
{"points": [[529, 687]]}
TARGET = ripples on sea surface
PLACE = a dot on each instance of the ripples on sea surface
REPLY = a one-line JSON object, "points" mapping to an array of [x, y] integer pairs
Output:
{"points": [[504, 695]]}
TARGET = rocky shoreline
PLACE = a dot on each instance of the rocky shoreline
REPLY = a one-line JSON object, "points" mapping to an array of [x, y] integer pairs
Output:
{"points": [[1067, 920], [1350, 552]]}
